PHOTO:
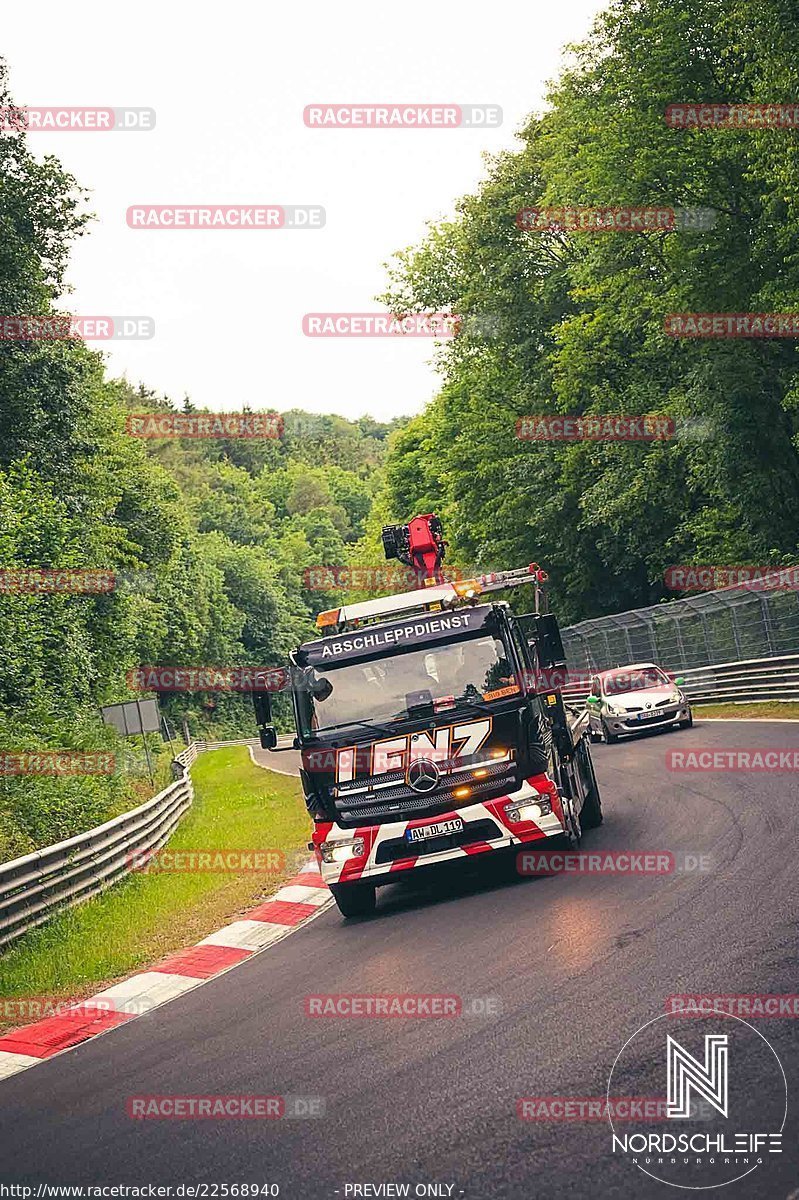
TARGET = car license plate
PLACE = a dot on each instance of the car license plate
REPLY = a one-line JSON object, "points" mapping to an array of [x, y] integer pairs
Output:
{"points": [[420, 833], [653, 712]]}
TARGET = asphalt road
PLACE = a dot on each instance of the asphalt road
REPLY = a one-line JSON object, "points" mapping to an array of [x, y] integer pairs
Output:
{"points": [[576, 965]]}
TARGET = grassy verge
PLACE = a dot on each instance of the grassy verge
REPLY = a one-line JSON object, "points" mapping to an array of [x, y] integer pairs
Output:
{"points": [[768, 708], [237, 806]]}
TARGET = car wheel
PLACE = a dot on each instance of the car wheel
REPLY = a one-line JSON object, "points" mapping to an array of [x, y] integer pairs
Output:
{"points": [[607, 737], [354, 899], [688, 722]]}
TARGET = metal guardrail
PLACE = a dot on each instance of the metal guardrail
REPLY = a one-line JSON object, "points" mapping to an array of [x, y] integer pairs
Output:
{"points": [[37, 886], [750, 680]]}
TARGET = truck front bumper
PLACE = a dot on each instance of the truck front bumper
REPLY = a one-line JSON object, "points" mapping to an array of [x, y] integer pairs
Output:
{"points": [[380, 852]]}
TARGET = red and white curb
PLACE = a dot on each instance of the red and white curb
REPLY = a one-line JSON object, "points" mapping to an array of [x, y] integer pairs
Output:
{"points": [[298, 901]]}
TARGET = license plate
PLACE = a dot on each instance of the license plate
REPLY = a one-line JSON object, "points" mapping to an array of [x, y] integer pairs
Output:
{"points": [[653, 712], [420, 833]]}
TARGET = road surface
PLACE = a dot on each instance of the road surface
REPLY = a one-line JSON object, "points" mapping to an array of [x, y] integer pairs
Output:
{"points": [[576, 965]]}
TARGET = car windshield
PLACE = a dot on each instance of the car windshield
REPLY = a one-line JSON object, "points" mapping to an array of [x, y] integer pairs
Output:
{"points": [[639, 679], [469, 671]]}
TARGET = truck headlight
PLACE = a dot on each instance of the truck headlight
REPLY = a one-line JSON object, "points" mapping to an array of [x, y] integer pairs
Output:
{"points": [[340, 851], [528, 810]]}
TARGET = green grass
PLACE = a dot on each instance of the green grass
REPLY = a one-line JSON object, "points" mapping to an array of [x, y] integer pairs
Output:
{"points": [[236, 806], [765, 708]]}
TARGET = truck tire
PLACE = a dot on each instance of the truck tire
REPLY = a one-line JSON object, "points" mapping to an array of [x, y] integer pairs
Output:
{"points": [[354, 899], [591, 812]]}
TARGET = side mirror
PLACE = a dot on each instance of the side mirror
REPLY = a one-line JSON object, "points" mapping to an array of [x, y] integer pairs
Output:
{"points": [[320, 689], [268, 737], [262, 703], [679, 681], [549, 646]]}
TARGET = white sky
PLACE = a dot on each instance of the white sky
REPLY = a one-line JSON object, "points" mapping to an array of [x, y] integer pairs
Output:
{"points": [[229, 84]]}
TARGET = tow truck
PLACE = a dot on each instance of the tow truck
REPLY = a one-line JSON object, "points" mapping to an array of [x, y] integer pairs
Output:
{"points": [[427, 728]]}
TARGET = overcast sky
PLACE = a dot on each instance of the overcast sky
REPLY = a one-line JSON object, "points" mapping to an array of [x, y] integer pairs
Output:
{"points": [[229, 85]]}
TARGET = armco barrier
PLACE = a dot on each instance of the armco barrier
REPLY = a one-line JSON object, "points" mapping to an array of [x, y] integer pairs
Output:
{"points": [[751, 679], [35, 887]]}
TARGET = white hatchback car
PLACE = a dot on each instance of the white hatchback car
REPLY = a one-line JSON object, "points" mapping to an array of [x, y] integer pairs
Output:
{"points": [[631, 699]]}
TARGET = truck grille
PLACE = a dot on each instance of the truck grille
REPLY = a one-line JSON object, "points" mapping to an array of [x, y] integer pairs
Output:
{"points": [[474, 831], [400, 801]]}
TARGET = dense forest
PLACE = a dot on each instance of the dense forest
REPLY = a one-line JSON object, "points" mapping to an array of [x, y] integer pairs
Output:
{"points": [[212, 541], [579, 319]]}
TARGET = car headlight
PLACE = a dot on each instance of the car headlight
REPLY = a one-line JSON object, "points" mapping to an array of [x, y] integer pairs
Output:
{"points": [[677, 698], [340, 851], [613, 710]]}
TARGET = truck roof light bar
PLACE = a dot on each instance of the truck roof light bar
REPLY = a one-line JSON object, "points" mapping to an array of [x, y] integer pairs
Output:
{"points": [[443, 595]]}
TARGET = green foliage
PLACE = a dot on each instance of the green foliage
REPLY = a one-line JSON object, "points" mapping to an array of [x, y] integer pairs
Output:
{"points": [[209, 540], [580, 320]]}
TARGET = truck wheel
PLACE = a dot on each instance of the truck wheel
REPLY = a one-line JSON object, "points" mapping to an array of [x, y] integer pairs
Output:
{"points": [[607, 737], [354, 899]]}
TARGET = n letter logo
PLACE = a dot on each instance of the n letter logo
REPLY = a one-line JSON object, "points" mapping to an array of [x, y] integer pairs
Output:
{"points": [[685, 1073]]}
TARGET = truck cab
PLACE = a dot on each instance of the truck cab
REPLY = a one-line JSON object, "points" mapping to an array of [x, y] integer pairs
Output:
{"points": [[427, 733]]}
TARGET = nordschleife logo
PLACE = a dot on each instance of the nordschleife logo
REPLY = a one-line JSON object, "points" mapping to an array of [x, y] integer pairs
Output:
{"points": [[726, 1100], [685, 1074]]}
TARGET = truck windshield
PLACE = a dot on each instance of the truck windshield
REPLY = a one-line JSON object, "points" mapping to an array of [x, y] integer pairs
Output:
{"points": [[393, 688]]}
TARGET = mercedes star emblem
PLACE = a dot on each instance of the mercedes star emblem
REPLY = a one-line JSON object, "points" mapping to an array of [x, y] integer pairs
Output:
{"points": [[423, 775]]}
